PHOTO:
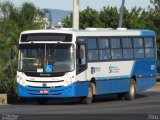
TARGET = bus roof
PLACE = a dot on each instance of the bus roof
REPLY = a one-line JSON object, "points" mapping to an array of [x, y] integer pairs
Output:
{"points": [[97, 32]]}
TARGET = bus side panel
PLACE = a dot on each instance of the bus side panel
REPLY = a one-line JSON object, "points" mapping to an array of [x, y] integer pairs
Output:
{"points": [[145, 72], [112, 86], [145, 83], [81, 88]]}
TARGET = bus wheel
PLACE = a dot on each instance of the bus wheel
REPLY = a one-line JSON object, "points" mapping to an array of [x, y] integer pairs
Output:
{"points": [[132, 91], [89, 98], [42, 101]]}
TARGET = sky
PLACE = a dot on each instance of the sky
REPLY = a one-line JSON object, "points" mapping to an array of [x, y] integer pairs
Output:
{"points": [[95, 4]]}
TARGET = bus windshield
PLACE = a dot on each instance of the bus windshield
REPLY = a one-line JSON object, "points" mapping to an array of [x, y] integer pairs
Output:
{"points": [[34, 57]]}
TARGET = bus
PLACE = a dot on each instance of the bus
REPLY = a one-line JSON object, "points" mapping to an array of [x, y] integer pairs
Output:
{"points": [[85, 63]]}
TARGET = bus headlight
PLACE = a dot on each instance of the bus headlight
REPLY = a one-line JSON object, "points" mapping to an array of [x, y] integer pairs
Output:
{"points": [[67, 82], [68, 78], [21, 81]]}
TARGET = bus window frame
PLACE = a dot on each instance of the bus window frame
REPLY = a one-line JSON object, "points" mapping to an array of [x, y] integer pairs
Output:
{"points": [[78, 43], [132, 40]]}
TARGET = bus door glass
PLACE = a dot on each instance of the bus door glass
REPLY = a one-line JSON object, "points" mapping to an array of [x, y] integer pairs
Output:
{"points": [[81, 56]]}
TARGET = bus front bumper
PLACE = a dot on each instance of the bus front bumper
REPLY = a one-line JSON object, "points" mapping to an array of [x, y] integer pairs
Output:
{"points": [[76, 89]]}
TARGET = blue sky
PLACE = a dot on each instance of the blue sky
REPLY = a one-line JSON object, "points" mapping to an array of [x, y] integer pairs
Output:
{"points": [[96, 4]]}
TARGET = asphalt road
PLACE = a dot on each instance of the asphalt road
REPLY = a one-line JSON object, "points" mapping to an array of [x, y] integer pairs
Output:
{"points": [[145, 105]]}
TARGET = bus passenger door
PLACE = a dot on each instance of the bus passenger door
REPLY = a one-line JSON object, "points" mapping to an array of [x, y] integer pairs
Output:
{"points": [[81, 61]]}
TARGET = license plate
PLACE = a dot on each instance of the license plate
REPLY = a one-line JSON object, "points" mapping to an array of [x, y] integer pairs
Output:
{"points": [[44, 91]]}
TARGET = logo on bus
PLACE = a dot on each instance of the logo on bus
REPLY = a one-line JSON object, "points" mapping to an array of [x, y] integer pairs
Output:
{"points": [[44, 85], [113, 69], [95, 69], [48, 68]]}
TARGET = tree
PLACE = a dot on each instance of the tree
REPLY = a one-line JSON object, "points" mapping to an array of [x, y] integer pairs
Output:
{"points": [[88, 18], [109, 17], [154, 12], [67, 22], [16, 19], [155, 7], [7, 67]]}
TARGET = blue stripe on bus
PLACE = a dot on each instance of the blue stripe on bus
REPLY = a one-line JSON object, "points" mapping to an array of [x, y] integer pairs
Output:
{"points": [[113, 77], [76, 89], [147, 33]]}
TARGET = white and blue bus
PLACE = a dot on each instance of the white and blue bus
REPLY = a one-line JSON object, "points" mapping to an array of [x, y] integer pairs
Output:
{"points": [[85, 63]]}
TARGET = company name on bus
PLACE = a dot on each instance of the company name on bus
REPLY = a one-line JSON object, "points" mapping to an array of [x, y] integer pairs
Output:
{"points": [[113, 69]]}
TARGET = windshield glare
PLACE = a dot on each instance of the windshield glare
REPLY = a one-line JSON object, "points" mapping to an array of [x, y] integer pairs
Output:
{"points": [[37, 57]]}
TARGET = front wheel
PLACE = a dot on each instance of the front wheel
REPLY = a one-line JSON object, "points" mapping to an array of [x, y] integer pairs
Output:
{"points": [[89, 98]]}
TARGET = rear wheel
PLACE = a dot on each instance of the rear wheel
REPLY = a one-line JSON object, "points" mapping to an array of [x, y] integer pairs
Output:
{"points": [[132, 91], [42, 101], [130, 95], [89, 98]]}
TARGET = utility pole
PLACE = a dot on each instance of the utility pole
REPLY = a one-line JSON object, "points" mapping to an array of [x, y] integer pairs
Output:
{"points": [[121, 14], [76, 4]]}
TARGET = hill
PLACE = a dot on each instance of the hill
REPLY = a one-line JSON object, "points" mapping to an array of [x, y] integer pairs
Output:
{"points": [[58, 15]]}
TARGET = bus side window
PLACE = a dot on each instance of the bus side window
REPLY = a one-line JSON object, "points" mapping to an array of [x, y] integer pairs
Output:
{"points": [[116, 51], [138, 48], [149, 48], [127, 48]]}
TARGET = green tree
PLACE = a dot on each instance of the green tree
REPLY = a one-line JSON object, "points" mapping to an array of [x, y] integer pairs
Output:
{"points": [[16, 19], [7, 67], [154, 12], [67, 22], [109, 17], [136, 19], [88, 18]]}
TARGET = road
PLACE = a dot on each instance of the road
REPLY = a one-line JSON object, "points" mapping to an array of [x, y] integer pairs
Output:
{"points": [[145, 104]]}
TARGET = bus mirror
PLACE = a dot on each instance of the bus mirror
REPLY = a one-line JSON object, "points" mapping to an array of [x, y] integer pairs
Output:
{"points": [[81, 54]]}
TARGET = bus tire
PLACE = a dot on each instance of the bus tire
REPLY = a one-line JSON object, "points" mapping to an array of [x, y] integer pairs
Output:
{"points": [[42, 101], [89, 98], [132, 91]]}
